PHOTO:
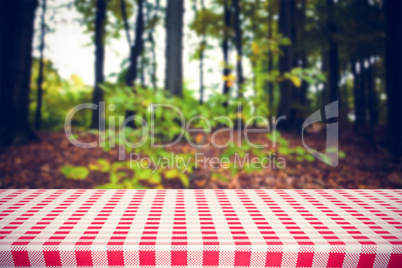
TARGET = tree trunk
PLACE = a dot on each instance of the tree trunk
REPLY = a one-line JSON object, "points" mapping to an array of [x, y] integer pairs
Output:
{"points": [[253, 61], [303, 52], [393, 62], [304, 85], [359, 95], [270, 85], [286, 27], [362, 94], [38, 113], [372, 97], [300, 59], [271, 92], [225, 47], [142, 70], [238, 43], [99, 59], [135, 54], [16, 33], [154, 64], [333, 61], [202, 48], [174, 47], [325, 70], [152, 42], [239, 65], [202, 73], [125, 21], [136, 49]]}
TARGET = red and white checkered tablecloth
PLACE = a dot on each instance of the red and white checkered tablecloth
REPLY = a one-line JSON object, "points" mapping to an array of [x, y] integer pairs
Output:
{"points": [[226, 228]]}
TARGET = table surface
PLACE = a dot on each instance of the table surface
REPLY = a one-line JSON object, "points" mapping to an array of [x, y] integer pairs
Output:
{"points": [[196, 228]]}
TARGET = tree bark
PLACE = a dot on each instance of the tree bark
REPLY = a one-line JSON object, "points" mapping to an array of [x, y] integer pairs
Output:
{"points": [[270, 85], [142, 70], [393, 62], [333, 61], [125, 21], [136, 49], [135, 54], [286, 27], [325, 70], [304, 86], [359, 95], [239, 49], [253, 62], [299, 95], [38, 112], [99, 59], [372, 97], [202, 48], [225, 47], [16, 33], [303, 53], [174, 47], [363, 94], [152, 41]]}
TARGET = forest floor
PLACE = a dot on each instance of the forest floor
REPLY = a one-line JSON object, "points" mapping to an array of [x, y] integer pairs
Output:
{"points": [[36, 165]]}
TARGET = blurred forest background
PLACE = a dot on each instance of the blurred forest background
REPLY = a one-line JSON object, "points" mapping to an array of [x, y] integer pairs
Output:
{"points": [[275, 57]]}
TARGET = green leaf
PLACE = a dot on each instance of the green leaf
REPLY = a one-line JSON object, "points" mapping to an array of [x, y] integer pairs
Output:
{"points": [[295, 80], [233, 170], [171, 174], [140, 186], [229, 152], [118, 165], [155, 178], [285, 41], [296, 71], [121, 174], [326, 159], [113, 178], [282, 141], [321, 77], [309, 158], [242, 153], [128, 184], [104, 165], [284, 150], [184, 179], [274, 134], [75, 173], [308, 79], [223, 178], [299, 150], [144, 174], [342, 154]]}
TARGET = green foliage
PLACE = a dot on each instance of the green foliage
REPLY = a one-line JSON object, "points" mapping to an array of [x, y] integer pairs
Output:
{"points": [[114, 24], [260, 48], [297, 153], [102, 165], [208, 22], [59, 96], [75, 173]]}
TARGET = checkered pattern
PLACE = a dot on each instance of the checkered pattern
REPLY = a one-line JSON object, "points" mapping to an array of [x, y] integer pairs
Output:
{"points": [[198, 228]]}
